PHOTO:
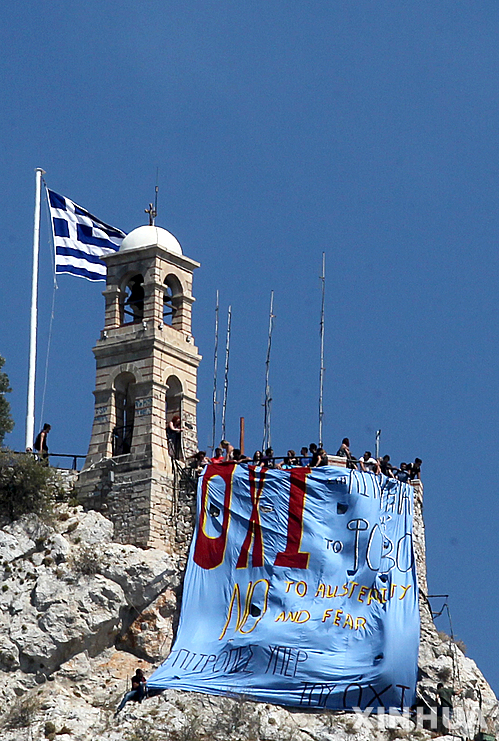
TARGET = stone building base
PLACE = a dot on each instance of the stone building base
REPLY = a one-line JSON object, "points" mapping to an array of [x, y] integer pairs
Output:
{"points": [[148, 508]]}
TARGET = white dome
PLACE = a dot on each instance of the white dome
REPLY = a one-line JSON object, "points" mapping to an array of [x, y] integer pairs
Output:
{"points": [[147, 236]]}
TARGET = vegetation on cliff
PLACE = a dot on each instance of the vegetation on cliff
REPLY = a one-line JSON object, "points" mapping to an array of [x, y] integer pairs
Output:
{"points": [[6, 421]]}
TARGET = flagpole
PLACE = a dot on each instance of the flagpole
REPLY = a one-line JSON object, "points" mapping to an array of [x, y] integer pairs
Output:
{"points": [[30, 413], [321, 374]]}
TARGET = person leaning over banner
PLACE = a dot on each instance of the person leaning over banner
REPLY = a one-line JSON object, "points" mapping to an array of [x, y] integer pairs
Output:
{"points": [[402, 474], [239, 457], [386, 467], [218, 456], [228, 450], [304, 457], [199, 460], [344, 452], [40, 446], [416, 469], [319, 458], [368, 463]]}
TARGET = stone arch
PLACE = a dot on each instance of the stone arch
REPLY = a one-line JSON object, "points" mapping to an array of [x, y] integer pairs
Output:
{"points": [[173, 409], [174, 395], [129, 368], [124, 389], [172, 299], [173, 295]]}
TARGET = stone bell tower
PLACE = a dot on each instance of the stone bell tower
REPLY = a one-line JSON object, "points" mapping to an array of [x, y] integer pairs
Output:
{"points": [[146, 375]]}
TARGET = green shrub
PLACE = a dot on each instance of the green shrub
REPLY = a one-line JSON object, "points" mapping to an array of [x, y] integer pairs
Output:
{"points": [[22, 712], [25, 485], [141, 731], [49, 728], [86, 561], [6, 421]]}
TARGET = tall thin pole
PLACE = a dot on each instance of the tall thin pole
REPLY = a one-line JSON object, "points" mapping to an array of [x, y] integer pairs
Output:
{"points": [[321, 374], [30, 410], [268, 401], [241, 434], [215, 371], [226, 376]]}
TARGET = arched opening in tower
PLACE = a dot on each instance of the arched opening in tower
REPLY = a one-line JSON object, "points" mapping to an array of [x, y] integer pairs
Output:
{"points": [[124, 394], [172, 300], [174, 417], [133, 304]]}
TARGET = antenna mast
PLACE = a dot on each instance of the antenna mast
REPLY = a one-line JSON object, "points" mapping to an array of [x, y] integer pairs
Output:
{"points": [[226, 376], [268, 400], [215, 369], [321, 374]]}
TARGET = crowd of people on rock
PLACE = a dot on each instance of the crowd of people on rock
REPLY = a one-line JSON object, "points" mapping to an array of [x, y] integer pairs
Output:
{"points": [[310, 456]]}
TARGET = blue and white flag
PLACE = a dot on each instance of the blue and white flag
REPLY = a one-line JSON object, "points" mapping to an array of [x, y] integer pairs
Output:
{"points": [[80, 239]]}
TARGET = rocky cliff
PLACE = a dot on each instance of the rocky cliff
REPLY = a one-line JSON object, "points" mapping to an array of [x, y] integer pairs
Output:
{"points": [[79, 613]]}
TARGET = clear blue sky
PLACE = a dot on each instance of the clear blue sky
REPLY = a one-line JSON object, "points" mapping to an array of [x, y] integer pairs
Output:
{"points": [[281, 129]]}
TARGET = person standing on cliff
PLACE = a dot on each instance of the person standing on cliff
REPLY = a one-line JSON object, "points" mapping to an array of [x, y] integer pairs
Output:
{"points": [[40, 446]]}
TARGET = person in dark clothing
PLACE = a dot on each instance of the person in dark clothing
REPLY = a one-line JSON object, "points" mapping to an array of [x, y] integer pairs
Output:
{"points": [[40, 446], [174, 437], [386, 467], [446, 708], [138, 691], [268, 459], [239, 457], [402, 473], [344, 452], [198, 461], [319, 458], [416, 469]]}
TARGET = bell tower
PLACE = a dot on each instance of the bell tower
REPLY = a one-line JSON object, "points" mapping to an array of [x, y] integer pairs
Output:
{"points": [[146, 376]]}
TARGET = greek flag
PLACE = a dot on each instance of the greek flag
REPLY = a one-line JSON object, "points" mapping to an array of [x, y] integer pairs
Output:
{"points": [[80, 239]]}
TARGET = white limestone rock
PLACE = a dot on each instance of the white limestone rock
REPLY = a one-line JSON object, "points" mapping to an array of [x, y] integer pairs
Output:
{"points": [[151, 633], [28, 530], [59, 548], [11, 548], [142, 574], [9, 655], [90, 528]]}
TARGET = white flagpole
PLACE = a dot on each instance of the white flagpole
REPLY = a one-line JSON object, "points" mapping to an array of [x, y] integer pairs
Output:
{"points": [[30, 413]]}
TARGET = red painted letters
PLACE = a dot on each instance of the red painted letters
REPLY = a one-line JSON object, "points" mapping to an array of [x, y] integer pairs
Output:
{"points": [[292, 556]]}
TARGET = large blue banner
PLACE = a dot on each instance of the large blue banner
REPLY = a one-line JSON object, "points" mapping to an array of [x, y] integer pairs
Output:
{"points": [[300, 590]]}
